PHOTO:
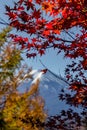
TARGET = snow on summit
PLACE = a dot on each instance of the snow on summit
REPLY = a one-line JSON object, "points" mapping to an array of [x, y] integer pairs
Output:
{"points": [[37, 75]]}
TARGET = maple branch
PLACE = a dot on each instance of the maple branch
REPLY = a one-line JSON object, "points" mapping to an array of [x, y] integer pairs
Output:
{"points": [[70, 41], [69, 34], [3, 22]]}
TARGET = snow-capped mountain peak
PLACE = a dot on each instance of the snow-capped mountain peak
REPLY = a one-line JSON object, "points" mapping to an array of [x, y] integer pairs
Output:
{"points": [[37, 75], [49, 88]]}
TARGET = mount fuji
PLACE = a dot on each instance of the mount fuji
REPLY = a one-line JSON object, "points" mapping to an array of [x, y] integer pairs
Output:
{"points": [[50, 87]]}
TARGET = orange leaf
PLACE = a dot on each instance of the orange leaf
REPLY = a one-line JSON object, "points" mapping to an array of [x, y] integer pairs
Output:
{"points": [[46, 32], [56, 31]]}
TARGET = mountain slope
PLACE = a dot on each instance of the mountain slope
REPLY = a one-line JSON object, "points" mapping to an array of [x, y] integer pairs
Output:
{"points": [[50, 87]]}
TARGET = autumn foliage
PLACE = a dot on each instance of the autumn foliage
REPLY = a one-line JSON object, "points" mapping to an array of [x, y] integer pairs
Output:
{"points": [[45, 23], [18, 110], [61, 25]]}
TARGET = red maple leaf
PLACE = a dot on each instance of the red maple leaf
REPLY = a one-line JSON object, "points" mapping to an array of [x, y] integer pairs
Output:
{"points": [[36, 14], [41, 52]]}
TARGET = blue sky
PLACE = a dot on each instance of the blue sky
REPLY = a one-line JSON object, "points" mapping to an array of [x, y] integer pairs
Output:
{"points": [[54, 62]]}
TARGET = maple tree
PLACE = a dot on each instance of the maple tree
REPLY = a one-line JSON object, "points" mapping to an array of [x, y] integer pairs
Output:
{"points": [[42, 33], [18, 110], [61, 25]]}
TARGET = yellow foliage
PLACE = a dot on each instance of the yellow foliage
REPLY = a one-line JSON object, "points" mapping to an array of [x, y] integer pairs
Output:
{"points": [[19, 110]]}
